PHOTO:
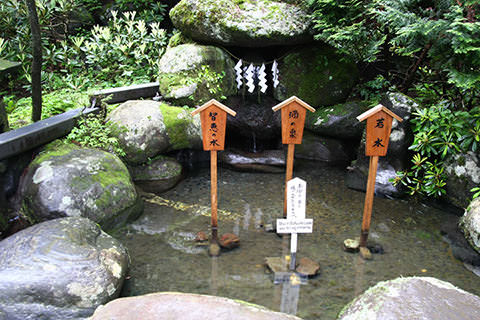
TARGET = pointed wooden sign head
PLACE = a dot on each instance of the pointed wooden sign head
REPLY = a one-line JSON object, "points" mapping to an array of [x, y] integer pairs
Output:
{"points": [[379, 126], [293, 119], [213, 116]]}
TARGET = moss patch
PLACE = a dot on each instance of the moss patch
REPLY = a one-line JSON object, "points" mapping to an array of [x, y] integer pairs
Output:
{"points": [[177, 125]]}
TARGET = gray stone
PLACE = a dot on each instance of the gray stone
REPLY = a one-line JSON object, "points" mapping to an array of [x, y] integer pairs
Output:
{"points": [[398, 155], [317, 75], [259, 23], [413, 298], [184, 306], [272, 161], [463, 173], [59, 269], [192, 74], [66, 180], [277, 264], [141, 130], [338, 121], [158, 175], [308, 267], [323, 149], [470, 224]]}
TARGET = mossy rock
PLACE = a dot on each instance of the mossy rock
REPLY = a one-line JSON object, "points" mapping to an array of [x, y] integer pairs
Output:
{"points": [[470, 224], [247, 23], [463, 174], [158, 175], [183, 130], [67, 180], [191, 74], [317, 75]]}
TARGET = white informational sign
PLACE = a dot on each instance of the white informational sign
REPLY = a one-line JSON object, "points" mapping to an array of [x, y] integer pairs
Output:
{"points": [[296, 204]]}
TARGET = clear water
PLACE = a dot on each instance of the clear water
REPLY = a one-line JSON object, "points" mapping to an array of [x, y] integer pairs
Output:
{"points": [[165, 258]]}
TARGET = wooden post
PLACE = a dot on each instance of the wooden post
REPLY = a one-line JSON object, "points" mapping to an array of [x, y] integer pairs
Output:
{"points": [[293, 121], [379, 125], [213, 116]]}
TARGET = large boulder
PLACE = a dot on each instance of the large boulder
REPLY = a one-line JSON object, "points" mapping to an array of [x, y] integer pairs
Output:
{"points": [[463, 173], [158, 175], [470, 224], [184, 306], [398, 155], [259, 23], [327, 150], [59, 269], [413, 298], [338, 121], [192, 74], [317, 75], [66, 180], [147, 128]]}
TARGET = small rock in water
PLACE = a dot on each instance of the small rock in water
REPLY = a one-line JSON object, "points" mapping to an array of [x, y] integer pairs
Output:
{"points": [[269, 227], [214, 249], [276, 264], [308, 267], [376, 249], [201, 237], [351, 245], [229, 241], [365, 253]]}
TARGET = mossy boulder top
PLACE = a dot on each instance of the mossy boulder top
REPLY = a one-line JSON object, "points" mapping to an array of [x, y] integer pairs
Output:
{"points": [[413, 298], [158, 175], [317, 75], [185, 306], [191, 74], [66, 180], [463, 174], [470, 224], [59, 269], [259, 23], [147, 128]]}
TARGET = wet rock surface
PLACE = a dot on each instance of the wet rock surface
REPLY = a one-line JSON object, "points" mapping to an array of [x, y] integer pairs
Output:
{"points": [[66, 180], [192, 74], [157, 176], [229, 241], [272, 161], [308, 267], [59, 269], [413, 298], [463, 173], [327, 150], [184, 306], [141, 129], [470, 224], [258, 23], [459, 245]]}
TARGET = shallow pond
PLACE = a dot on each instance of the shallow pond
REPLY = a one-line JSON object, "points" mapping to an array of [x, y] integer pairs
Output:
{"points": [[165, 257]]}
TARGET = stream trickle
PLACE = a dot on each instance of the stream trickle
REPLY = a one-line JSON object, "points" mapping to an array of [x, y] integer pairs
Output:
{"points": [[164, 256]]}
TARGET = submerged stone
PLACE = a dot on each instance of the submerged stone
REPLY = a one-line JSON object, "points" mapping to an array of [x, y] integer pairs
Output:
{"points": [[66, 180], [351, 245], [413, 298], [307, 267], [59, 269], [259, 23], [184, 306], [229, 241]]}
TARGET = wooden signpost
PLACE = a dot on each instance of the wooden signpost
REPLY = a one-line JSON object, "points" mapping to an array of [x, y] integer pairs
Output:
{"points": [[293, 121], [213, 116], [295, 222], [379, 126]]}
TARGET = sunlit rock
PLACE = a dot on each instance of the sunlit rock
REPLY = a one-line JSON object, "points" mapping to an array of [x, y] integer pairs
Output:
{"points": [[470, 224], [184, 306], [413, 298], [192, 74], [66, 180], [317, 75], [463, 173], [59, 269], [257, 23]]}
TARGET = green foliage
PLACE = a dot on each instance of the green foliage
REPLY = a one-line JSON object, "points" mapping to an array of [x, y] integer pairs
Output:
{"points": [[477, 192], [439, 133], [91, 131], [148, 10]]}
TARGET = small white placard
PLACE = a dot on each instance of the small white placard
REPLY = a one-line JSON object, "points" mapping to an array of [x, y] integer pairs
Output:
{"points": [[294, 226], [296, 199]]}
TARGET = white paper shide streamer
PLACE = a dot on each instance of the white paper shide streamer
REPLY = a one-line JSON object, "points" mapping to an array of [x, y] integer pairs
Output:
{"points": [[262, 80], [275, 73], [249, 74], [238, 71]]}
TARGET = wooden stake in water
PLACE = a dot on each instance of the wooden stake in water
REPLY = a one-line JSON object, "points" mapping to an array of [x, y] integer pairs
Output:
{"points": [[213, 116], [293, 121], [379, 126]]}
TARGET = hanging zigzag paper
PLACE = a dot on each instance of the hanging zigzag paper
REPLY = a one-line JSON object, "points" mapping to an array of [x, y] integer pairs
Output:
{"points": [[262, 80], [275, 73], [249, 77], [238, 69]]}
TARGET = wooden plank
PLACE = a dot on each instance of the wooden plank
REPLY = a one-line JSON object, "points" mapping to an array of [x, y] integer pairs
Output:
{"points": [[367, 209], [290, 100], [214, 123], [379, 126], [121, 94], [213, 188], [214, 102], [288, 175], [376, 109], [293, 121]]}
